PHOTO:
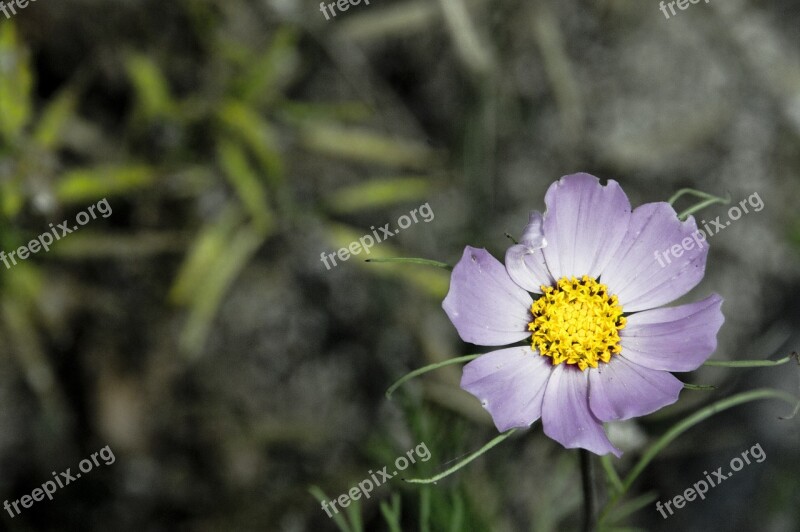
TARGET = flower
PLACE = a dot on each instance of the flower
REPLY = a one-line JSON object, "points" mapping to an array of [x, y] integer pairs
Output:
{"points": [[599, 347]]}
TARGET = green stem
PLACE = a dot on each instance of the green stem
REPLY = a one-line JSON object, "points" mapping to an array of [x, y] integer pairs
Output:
{"points": [[611, 473], [708, 199], [686, 424], [699, 387], [413, 260], [698, 193], [751, 363], [700, 206], [587, 481], [495, 441], [425, 369]]}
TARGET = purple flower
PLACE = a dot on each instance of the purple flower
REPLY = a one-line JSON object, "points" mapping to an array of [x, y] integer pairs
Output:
{"points": [[599, 348]]}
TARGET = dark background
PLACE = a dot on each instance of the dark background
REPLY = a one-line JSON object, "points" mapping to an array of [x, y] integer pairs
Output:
{"points": [[196, 332]]}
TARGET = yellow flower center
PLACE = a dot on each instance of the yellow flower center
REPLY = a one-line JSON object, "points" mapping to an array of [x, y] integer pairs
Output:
{"points": [[576, 322]]}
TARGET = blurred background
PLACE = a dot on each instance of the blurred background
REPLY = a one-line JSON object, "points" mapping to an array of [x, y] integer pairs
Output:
{"points": [[197, 333]]}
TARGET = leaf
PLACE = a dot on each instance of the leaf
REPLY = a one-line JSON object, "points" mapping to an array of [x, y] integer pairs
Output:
{"points": [[16, 82], [223, 271], [90, 184], [257, 135], [54, 117], [271, 71], [208, 244], [247, 185], [432, 281], [379, 193], [365, 146], [151, 88], [338, 518]]}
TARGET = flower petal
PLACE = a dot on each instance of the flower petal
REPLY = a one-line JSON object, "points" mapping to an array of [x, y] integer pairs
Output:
{"points": [[584, 223], [510, 384], [566, 416], [673, 339], [484, 304], [622, 390], [525, 261], [639, 274]]}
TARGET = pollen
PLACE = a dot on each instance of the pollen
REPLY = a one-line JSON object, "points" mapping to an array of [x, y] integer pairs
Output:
{"points": [[577, 322]]}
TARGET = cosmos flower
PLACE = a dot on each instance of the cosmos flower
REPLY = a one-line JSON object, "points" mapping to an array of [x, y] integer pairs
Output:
{"points": [[597, 346]]}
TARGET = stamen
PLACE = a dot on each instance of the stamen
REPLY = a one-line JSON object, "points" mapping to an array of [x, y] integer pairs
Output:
{"points": [[576, 322]]}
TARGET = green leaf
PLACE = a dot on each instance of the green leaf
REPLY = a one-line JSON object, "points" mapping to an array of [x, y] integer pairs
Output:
{"points": [[246, 183], [392, 513], [259, 136], [338, 518], [16, 82], [366, 146], [222, 272], [150, 86], [379, 193], [431, 281], [54, 117], [91, 184], [272, 71]]}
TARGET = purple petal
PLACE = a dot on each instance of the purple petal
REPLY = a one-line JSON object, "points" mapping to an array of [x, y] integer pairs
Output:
{"points": [[673, 339], [640, 275], [584, 223], [566, 416], [525, 262], [484, 304], [510, 384], [622, 390]]}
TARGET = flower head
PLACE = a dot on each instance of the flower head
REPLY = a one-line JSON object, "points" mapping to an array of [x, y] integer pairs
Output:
{"points": [[600, 348]]}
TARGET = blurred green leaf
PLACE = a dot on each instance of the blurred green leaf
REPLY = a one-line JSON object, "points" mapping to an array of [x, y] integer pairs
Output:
{"points": [[391, 513], [151, 87], [257, 135], [11, 197], [296, 112], [379, 193], [247, 185], [209, 243], [223, 269], [271, 71], [365, 146], [89, 184], [16, 82], [54, 117], [220, 253], [338, 518], [432, 281]]}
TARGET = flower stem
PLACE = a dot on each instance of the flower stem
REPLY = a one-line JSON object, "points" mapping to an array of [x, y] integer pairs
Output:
{"points": [[587, 479], [432, 480], [686, 424], [425, 369], [751, 363], [413, 260]]}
